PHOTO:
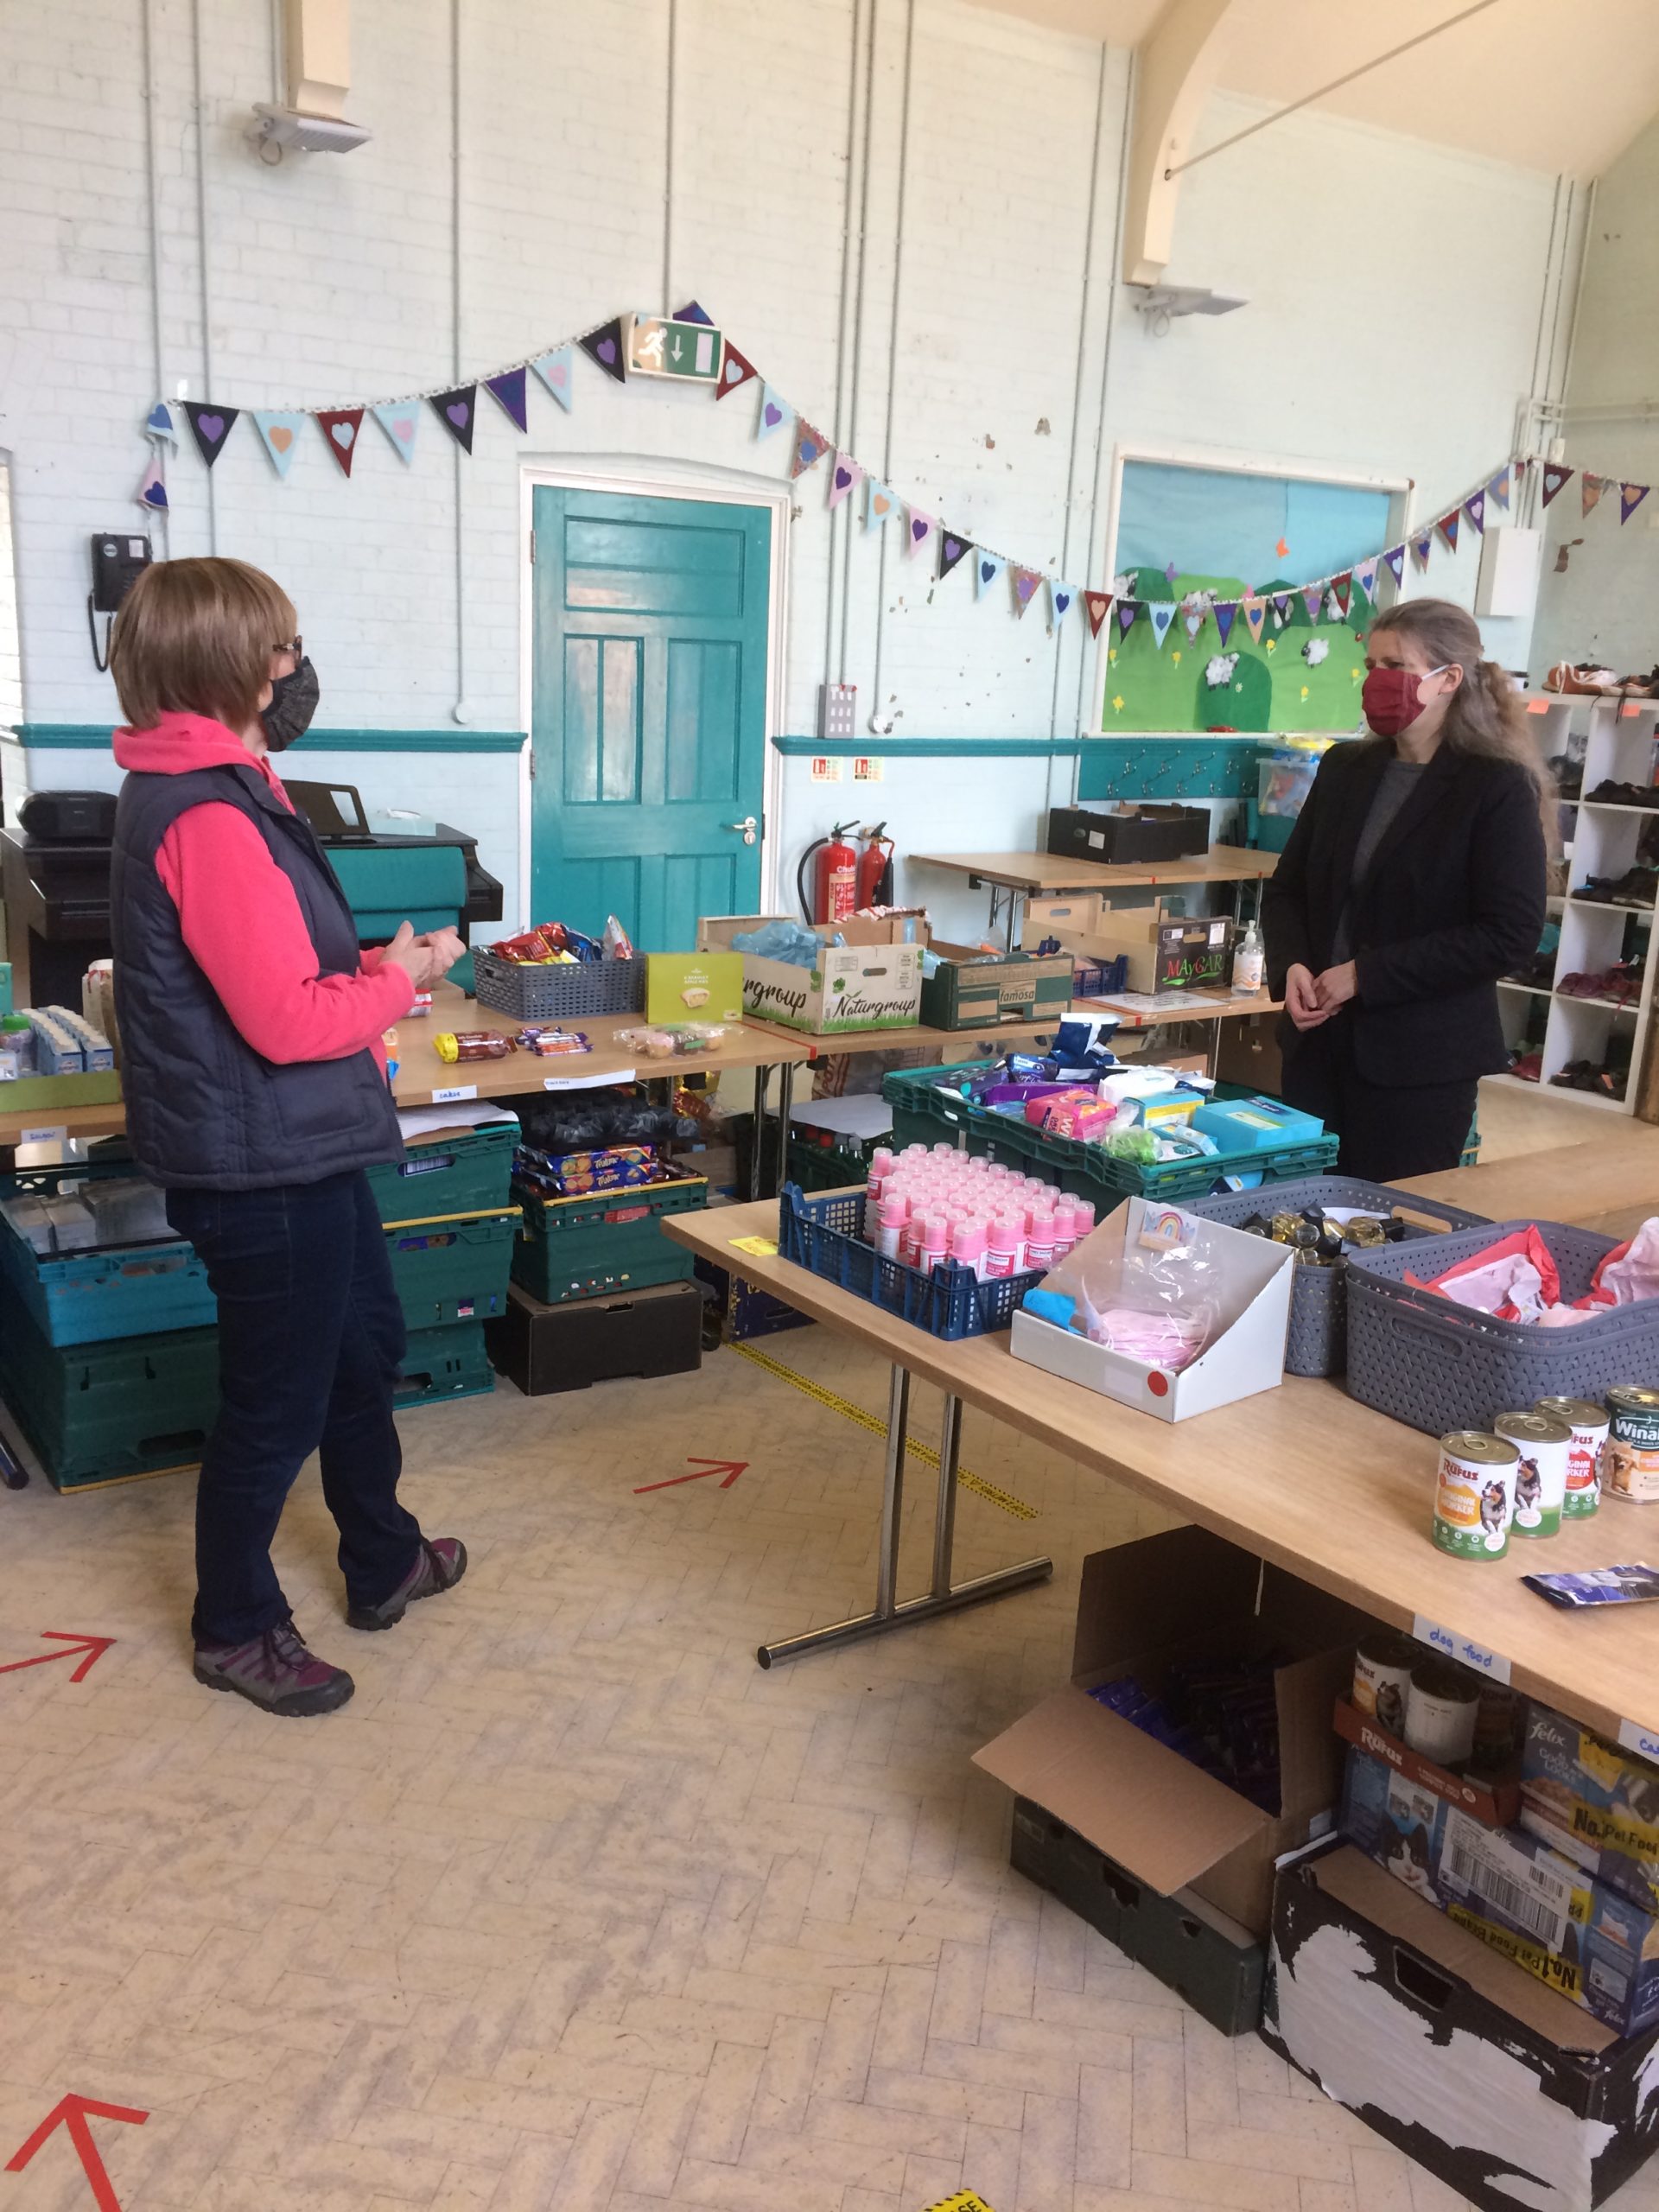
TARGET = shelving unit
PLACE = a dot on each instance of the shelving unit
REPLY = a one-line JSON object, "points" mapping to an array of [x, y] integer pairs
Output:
{"points": [[1600, 839]]}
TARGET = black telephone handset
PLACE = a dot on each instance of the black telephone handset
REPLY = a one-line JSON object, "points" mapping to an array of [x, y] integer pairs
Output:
{"points": [[119, 558]]}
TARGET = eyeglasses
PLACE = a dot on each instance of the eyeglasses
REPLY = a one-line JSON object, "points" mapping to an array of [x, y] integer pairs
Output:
{"points": [[295, 645]]}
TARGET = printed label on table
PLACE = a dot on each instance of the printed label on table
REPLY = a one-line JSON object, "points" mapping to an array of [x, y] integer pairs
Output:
{"points": [[1462, 1649], [1644, 1742], [587, 1081], [453, 1095], [762, 1248], [44, 1136]]}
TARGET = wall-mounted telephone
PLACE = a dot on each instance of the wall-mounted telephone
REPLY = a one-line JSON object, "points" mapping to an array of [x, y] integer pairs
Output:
{"points": [[119, 558]]}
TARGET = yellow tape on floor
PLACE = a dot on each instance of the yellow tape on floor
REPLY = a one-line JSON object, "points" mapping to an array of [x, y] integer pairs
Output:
{"points": [[1001, 1498]]}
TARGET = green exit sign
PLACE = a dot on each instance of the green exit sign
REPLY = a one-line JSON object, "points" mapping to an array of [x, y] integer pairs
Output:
{"points": [[658, 347]]}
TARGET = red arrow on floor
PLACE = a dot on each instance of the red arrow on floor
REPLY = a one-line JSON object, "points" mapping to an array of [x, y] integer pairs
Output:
{"points": [[72, 2114], [89, 1649], [728, 1471]]}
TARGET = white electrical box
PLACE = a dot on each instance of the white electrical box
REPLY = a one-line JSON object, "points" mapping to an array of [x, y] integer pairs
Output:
{"points": [[1509, 561]]}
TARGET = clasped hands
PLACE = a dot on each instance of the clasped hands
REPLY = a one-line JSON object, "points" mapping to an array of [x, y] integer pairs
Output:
{"points": [[1311, 999], [426, 959]]}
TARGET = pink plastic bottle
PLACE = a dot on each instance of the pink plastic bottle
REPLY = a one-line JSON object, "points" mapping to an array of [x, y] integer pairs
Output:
{"points": [[1040, 1238], [881, 1169], [1004, 1246], [968, 1244], [935, 1241], [1083, 1214], [890, 1227], [1065, 1228]]}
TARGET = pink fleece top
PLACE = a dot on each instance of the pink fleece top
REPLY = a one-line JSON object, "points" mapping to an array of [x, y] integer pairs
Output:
{"points": [[240, 916]]}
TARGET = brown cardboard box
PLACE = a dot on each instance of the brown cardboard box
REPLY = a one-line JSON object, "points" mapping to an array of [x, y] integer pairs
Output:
{"points": [[1167, 952], [844, 993], [1142, 1607], [1078, 911], [1248, 1055]]}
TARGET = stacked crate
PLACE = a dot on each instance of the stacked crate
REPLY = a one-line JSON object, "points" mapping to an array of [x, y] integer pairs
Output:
{"points": [[451, 1222]]}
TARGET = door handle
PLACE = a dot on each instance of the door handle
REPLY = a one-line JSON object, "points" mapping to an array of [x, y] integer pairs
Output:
{"points": [[748, 827]]}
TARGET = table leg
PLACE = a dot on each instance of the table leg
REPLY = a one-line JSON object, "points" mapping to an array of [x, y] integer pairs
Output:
{"points": [[944, 1596], [760, 1078], [786, 1099]]}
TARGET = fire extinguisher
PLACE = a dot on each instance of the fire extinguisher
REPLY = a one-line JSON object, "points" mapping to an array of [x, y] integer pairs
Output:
{"points": [[875, 868], [835, 877]]}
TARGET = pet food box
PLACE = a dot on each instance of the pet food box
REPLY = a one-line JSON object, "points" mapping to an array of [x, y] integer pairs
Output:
{"points": [[1595, 1802], [693, 987], [873, 981], [1597, 1948], [1518, 2100], [1142, 1608], [1163, 952], [1250, 1277], [1494, 1801]]}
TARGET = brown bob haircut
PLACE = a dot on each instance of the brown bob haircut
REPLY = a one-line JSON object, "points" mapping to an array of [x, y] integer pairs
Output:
{"points": [[196, 637]]}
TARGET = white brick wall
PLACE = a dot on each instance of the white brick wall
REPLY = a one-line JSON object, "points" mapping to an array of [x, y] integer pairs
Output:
{"points": [[1394, 294]]}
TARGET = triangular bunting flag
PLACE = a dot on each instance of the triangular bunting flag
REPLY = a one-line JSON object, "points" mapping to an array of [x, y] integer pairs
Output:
{"points": [[693, 311], [457, 411], [953, 549], [918, 528], [1395, 557], [988, 567], [1160, 613], [159, 423], [1255, 614], [603, 346], [811, 447], [1126, 612], [152, 490], [1061, 599], [1313, 600], [555, 371], [735, 369], [1097, 605], [209, 426], [1281, 609], [340, 427], [281, 433], [1499, 487], [1226, 612], [1475, 508], [1342, 590], [1556, 478], [879, 504], [843, 477], [508, 390], [774, 412], [1365, 577], [1025, 581], [1631, 497], [1447, 527], [1421, 546], [1195, 619], [400, 419], [1591, 489]]}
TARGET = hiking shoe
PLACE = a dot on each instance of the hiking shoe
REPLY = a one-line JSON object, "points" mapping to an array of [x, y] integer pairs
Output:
{"points": [[440, 1566], [275, 1671]]}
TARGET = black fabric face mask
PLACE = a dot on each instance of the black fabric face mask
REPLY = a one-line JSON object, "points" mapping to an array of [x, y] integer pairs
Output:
{"points": [[292, 702]]}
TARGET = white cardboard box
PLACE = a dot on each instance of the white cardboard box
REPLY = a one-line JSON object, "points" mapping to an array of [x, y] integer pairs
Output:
{"points": [[873, 981], [1245, 1356]]}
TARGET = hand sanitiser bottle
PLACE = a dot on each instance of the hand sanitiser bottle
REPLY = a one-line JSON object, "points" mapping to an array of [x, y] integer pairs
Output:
{"points": [[1249, 962]]}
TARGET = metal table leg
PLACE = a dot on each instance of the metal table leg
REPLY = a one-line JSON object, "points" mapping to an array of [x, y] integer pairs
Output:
{"points": [[760, 1078], [786, 1099], [944, 1596]]}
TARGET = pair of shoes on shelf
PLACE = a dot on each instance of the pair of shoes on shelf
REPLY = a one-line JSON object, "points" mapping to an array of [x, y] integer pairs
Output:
{"points": [[1636, 887], [1608, 793], [1538, 974], [1602, 1082], [1527, 1065], [1620, 985]]}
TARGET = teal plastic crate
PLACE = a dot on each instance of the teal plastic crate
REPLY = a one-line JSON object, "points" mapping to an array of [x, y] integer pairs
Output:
{"points": [[84, 1297], [109, 1413], [921, 1114], [455, 1267], [605, 1242], [443, 1364], [467, 1172]]}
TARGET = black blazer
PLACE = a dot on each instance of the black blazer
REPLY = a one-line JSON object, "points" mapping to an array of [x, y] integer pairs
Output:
{"points": [[1454, 899]]}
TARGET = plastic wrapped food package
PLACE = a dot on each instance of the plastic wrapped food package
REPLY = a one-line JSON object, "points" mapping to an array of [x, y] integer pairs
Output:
{"points": [[1154, 1302]]}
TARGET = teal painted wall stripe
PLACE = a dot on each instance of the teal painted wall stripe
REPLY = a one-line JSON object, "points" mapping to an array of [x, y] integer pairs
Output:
{"points": [[915, 748], [81, 736], [1156, 767]]}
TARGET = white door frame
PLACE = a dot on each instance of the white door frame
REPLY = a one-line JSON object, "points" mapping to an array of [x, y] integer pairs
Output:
{"points": [[643, 476]]}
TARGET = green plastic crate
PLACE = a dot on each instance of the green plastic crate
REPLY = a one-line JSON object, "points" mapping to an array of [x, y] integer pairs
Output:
{"points": [[466, 1171], [455, 1267], [920, 1113], [82, 1298], [827, 1167], [444, 1363], [608, 1241], [106, 1413]]}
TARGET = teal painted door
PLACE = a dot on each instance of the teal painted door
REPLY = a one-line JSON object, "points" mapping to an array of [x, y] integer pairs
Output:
{"points": [[648, 711]]}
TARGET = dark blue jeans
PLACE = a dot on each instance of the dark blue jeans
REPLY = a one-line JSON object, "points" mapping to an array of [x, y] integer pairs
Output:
{"points": [[310, 1339]]}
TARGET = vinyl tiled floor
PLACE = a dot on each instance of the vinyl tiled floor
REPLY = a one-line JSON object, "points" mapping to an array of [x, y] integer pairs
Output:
{"points": [[573, 1907]]}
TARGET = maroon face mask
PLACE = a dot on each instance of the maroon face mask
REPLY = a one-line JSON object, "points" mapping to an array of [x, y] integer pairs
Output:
{"points": [[1389, 698]]}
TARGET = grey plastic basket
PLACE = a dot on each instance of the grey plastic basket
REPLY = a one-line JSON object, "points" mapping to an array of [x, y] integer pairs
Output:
{"points": [[558, 993], [1318, 1343], [1438, 1367]]}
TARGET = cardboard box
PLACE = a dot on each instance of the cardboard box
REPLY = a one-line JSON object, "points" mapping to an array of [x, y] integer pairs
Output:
{"points": [[1165, 952], [1078, 912], [1595, 1802], [1496, 1804], [550, 1348], [872, 982], [693, 987], [1253, 1279], [972, 989], [1141, 1607], [1548, 1915], [1512, 2096]]}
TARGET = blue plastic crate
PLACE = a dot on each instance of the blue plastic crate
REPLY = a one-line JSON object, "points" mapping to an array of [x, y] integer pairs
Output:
{"points": [[824, 1235], [95, 1297]]}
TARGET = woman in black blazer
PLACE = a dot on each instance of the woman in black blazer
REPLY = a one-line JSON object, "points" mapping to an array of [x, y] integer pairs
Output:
{"points": [[1414, 878]]}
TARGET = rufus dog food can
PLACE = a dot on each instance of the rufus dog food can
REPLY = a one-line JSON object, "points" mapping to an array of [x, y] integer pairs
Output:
{"points": [[1383, 1665], [1474, 1497], [1632, 1462], [1588, 1423], [1545, 1443], [1442, 1711]]}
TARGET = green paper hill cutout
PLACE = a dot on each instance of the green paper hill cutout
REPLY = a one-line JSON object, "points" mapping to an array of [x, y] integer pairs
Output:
{"points": [[1272, 686]]}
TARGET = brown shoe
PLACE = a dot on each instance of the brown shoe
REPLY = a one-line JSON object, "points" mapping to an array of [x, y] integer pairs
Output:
{"points": [[441, 1565]]}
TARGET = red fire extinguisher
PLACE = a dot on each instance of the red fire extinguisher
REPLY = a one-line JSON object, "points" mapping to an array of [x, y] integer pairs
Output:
{"points": [[835, 877], [875, 868]]}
